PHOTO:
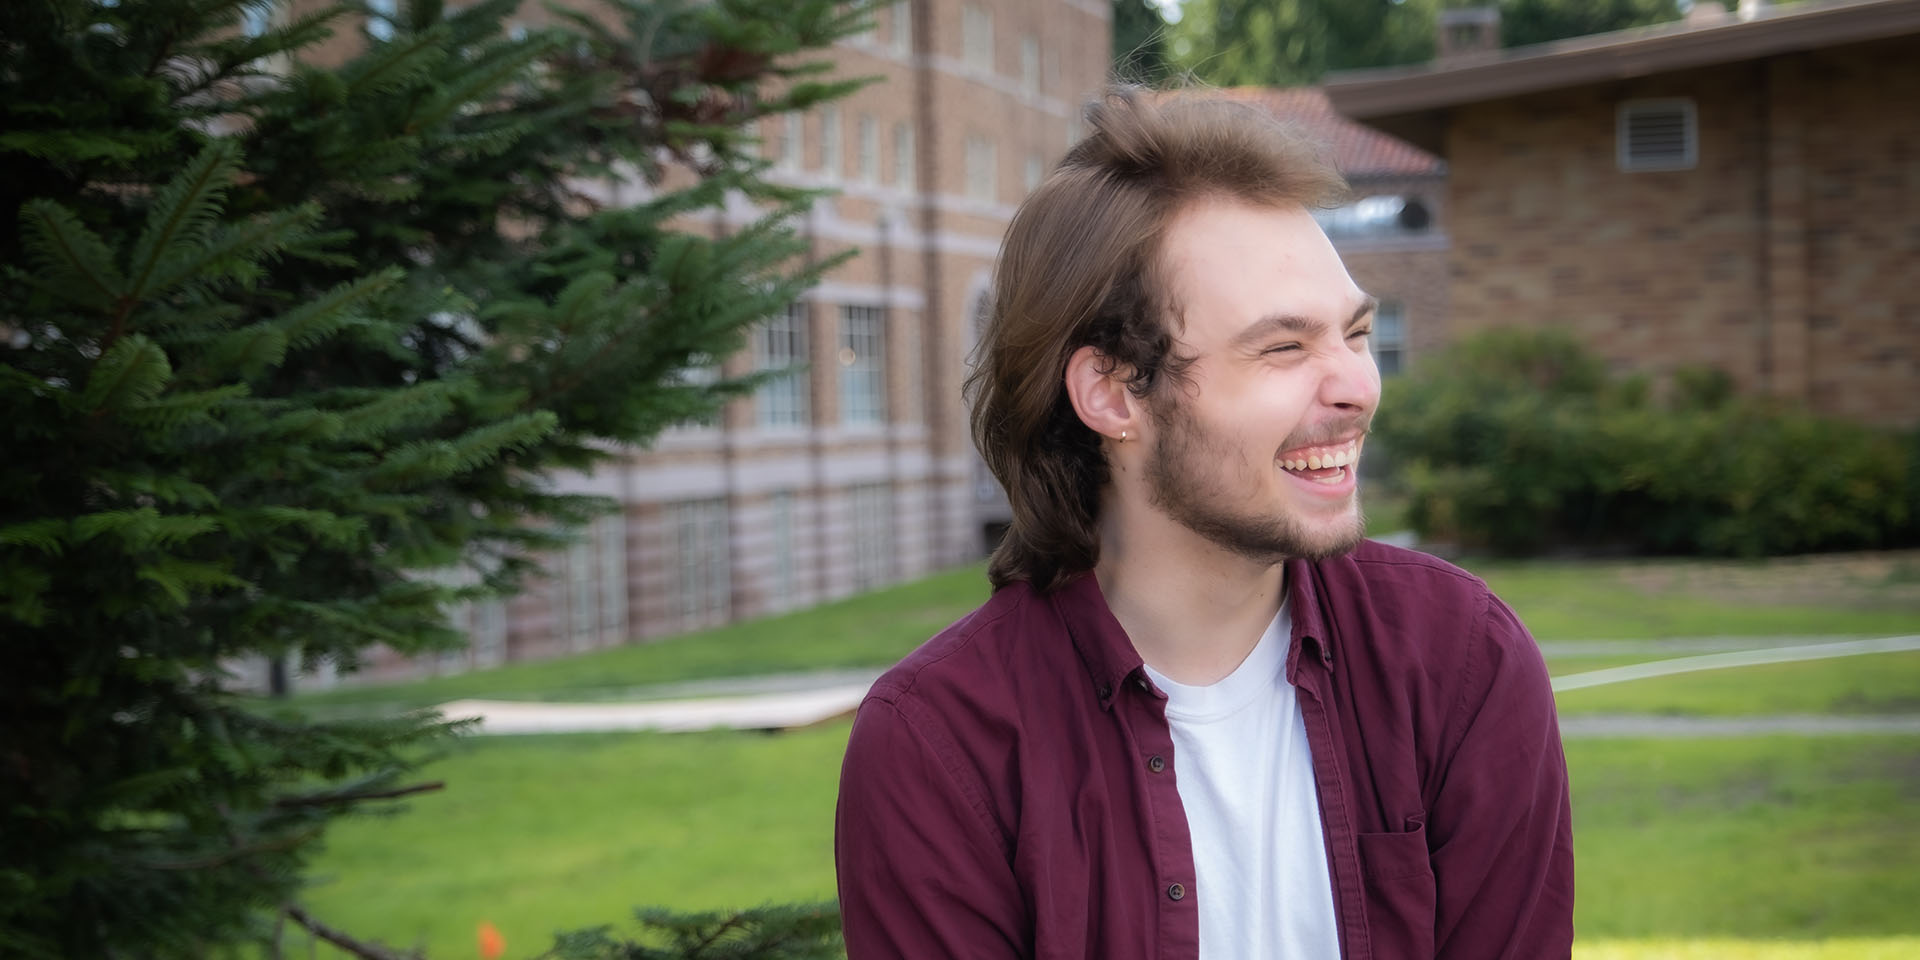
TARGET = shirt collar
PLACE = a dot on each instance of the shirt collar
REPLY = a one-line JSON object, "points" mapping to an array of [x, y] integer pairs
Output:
{"points": [[1110, 657]]}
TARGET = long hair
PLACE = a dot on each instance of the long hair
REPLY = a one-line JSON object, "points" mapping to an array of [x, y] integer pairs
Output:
{"points": [[1081, 267]]}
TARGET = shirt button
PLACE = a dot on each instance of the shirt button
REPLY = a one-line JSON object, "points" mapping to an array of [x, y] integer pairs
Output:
{"points": [[1176, 892], [1156, 764]]}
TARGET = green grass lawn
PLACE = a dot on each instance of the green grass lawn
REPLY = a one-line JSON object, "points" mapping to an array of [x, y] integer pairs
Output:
{"points": [[872, 629], [1646, 599], [1875, 683], [1773, 848], [1752, 839], [1557, 600]]}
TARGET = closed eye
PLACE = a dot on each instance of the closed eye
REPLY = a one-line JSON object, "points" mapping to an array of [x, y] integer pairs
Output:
{"points": [[1361, 332], [1281, 348]]}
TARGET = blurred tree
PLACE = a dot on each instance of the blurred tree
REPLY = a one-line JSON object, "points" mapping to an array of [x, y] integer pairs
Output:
{"points": [[1538, 21], [1288, 42], [283, 342], [1139, 42]]}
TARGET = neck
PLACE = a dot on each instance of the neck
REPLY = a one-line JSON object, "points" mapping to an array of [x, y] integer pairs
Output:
{"points": [[1193, 609]]}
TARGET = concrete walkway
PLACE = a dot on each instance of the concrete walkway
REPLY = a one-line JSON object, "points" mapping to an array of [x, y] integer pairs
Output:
{"points": [[796, 700]]}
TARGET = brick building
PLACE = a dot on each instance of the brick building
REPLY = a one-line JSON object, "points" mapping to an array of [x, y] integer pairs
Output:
{"points": [[1735, 190], [859, 471]]}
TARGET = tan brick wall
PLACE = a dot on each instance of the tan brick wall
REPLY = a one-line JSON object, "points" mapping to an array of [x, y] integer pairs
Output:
{"points": [[1783, 258]]}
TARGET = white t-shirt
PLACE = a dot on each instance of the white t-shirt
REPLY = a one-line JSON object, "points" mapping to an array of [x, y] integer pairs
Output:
{"points": [[1245, 776]]}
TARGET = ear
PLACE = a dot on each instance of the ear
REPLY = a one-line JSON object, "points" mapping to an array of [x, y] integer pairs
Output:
{"points": [[1098, 389]]}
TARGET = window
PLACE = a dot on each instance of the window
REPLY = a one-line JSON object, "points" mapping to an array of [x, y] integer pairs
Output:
{"points": [[1390, 337], [867, 161], [780, 590], [610, 540], [1658, 135], [488, 632], [830, 144], [903, 165], [902, 32], [863, 379], [1029, 65], [702, 585], [1035, 170], [790, 142], [380, 14], [583, 611], [976, 38], [982, 183], [872, 505], [782, 345], [1377, 216]]}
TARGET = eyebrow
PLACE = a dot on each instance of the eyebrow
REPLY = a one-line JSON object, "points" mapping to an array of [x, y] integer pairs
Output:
{"points": [[1294, 323]]}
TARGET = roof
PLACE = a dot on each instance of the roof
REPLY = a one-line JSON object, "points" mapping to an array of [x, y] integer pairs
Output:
{"points": [[1396, 98], [1359, 152]]}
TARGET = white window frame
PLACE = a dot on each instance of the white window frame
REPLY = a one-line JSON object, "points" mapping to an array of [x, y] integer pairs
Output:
{"points": [[900, 33], [1689, 132], [1389, 340], [863, 364], [872, 507], [782, 344], [583, 598], [906, 174], [790, 152], [982, 169], [781, 593], [702, 570], [831, 144], [610, 542], [866, 160], [1030, 65], [976, 37]]}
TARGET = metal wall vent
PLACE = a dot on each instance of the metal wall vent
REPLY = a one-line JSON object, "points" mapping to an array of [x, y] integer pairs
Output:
{"points": [[1658, 135]]}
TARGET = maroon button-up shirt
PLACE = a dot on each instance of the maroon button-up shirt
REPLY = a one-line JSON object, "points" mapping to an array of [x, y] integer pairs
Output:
{"points": [[1009, 789]]}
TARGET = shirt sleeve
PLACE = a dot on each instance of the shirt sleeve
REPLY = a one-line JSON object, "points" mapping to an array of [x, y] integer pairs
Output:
{"points": [[1500, 825], [923, 872]]}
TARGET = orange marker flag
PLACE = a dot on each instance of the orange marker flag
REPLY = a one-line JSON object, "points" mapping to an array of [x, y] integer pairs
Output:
{"points": [[492, 944]]}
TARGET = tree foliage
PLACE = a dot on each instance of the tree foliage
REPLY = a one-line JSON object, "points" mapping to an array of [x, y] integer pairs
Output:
{"points": [[281, 341], [1290, 42], [1140, 42]]}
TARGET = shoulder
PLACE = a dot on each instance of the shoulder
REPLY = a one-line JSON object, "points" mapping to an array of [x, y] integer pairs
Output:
{"points": [[976, 667], [1406, 604]]}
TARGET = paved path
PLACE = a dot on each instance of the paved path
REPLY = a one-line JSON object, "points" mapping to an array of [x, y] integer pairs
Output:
{"points": [[1598, 726], [1739, 658]]}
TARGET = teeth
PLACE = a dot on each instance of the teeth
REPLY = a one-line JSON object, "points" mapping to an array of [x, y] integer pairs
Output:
{"points": [[1339, 458]]}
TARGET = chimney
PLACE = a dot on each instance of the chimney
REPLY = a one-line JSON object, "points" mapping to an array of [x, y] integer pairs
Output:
{"points": [[1467, 30]]}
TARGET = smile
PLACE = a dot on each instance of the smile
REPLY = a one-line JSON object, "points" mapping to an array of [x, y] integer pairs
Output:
{"points": [[1330, 458]]}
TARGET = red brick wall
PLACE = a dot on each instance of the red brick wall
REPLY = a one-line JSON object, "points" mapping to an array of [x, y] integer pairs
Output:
{"points": [[1784, 257]]}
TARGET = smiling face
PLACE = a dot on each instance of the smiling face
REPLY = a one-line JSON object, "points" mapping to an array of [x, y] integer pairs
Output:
{"points": [[1257, 451]]}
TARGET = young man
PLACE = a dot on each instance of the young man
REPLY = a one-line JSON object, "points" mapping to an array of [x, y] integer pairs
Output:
{"points": [[1200, 717]]}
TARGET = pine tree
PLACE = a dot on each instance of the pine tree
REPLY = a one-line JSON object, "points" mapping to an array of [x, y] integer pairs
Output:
{"points": [[281, 339]]}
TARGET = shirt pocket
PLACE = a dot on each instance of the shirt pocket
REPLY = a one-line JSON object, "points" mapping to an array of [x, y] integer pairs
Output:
{"points": [[1398, 874]]}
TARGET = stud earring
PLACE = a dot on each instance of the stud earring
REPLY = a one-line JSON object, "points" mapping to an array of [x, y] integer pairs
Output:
{"points": [[1123, 436]]}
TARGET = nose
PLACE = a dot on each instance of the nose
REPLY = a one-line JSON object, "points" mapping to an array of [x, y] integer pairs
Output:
{"points": [[1352, 383]]}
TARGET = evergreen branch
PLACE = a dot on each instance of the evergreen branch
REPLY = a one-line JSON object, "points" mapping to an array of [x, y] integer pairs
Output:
{"points": [[334, 799], [364, 949], [130, 371], [232, 251], [78, 264], [183, 211]]}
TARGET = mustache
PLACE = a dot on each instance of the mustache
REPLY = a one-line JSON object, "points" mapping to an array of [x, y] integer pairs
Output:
{"points": [[1324, 434]]}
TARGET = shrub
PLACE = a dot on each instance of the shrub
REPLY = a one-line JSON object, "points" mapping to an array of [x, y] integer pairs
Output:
{"points": [[1518, 442]]}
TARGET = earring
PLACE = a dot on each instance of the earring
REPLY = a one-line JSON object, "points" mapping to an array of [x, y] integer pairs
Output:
{"points": [[1123, 436]]}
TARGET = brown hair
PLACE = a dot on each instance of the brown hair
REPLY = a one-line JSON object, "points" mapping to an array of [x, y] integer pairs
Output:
{"points": [[1080, 267]]}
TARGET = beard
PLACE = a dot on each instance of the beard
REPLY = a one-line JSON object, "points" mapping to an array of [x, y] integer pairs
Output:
{"points": [[1188, 474]]}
